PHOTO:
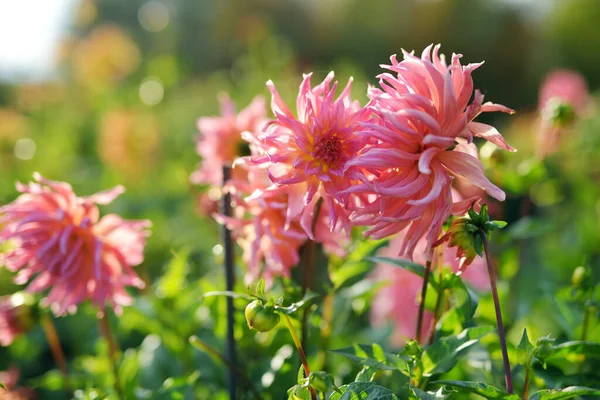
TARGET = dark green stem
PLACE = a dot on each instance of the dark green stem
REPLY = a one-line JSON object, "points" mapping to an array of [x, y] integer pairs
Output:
{"points": [[112, 351], [423, 297]]}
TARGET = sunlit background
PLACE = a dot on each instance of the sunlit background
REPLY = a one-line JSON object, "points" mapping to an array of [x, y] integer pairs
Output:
{"points": [[108, 92]]}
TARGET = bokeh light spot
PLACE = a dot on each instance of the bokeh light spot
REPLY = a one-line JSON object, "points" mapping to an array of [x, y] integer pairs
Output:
{"points": [[151, 91], [154, 16], [25, 149]]}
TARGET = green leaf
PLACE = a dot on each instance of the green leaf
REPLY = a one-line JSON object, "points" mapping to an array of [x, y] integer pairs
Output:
{"points": [[439, 395], [481, 389], [260, 288], [2, 385], [174, 279], [443, 354], [576, 348], [463, 304], [308, 300], [525, 350], [371, 356], [500, 224], [566, 393], [356, 266], [478, 244], [399, 262], [363, 391]]}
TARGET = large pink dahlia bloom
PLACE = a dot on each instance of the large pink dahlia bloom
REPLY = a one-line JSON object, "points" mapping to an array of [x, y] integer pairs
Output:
{"points": [[398, 301], [270, 243], [424, 121], [220, 140], [309, 152], [63, 244]]}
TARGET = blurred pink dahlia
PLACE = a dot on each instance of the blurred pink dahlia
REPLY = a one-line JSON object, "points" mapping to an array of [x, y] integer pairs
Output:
{"points": [[424, 123], [15, 317], [270, 243], [309, 153], [398, 301], [63, 244], [564, 97]]}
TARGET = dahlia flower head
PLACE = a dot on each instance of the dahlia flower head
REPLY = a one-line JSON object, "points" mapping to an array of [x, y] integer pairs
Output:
{"points": [[220, 140], [424, 122], [309, 152], [398, 301], [270, 243], [62, 244]]}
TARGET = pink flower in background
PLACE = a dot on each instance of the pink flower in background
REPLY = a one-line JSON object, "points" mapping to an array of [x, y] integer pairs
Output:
{"points": [[564, 97], [10, 379], [63, 245], [15, 317], [424, 121], [270, 243], [398, 301], [220, 140], [309, 153], [568, 87]]}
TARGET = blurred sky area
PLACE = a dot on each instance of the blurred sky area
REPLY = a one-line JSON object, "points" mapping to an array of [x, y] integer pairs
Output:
{"points": [[30, 31]]}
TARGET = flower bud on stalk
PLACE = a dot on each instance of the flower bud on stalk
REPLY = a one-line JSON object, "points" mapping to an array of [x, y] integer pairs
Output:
{"points": [[261, 317]]}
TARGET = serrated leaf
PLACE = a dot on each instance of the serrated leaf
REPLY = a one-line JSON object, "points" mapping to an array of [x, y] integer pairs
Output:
{"points": [[443, 354], [566, 393], [363, 391], [371, 356], [525, 350], [399, 262], [481, 389]]}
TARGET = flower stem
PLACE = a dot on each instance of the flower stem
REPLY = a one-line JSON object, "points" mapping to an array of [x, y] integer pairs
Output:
{"points": [[526, 388], [229, 283], [56, 348], [308, 270], [492, 274], [423, 297], [301, 353], [438, 305], [200, 344], [112, 350]]}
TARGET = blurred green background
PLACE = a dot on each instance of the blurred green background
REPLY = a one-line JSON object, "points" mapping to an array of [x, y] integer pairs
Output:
{"points": [[127, 80]]}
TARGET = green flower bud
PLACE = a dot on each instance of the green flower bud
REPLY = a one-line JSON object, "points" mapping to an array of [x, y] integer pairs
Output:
{"points": [[261, 317], [412, 348], [544, 347], [581, 277]]}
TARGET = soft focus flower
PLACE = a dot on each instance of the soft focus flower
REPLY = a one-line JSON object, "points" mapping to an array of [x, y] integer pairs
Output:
{"points": [[63, 244], [398, 301], [309, 152], [107, 55], [10, 379], [424, 121], [564, 96], [220, 140], [269, 244], [14, 126], [15, 317], [129, 141]]}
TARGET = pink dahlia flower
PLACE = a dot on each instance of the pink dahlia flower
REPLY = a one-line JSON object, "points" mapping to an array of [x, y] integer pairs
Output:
{"points": [[220, 140], [398, 301], [63, 245], [309, 152], [424, 120], [10, 379], [269, 242], [564, 97]]}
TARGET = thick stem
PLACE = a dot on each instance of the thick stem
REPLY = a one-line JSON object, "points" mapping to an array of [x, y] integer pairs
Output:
{"points": [[112, 350], [492, 273], [229, 283], [526, 388], [308, 270], [199, 343], [423, 297], [56, 348], [301, 353]]}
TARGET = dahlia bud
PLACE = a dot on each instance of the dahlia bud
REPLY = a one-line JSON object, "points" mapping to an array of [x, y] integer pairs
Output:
{"points": [[544, 347], [581, 277], [261, 317], [412, 348], [465, 234]]}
